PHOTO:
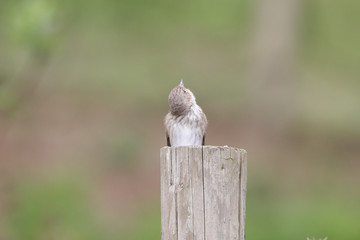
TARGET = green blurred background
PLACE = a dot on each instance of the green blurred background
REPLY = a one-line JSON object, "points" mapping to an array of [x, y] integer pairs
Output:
{"points": [[83, 93]]}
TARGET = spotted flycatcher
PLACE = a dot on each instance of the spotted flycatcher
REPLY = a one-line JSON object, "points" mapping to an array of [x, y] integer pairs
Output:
{"points": [[185, 123]]}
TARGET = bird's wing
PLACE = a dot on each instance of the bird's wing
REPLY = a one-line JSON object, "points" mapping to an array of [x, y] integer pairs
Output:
{"points": [[168, 139]]}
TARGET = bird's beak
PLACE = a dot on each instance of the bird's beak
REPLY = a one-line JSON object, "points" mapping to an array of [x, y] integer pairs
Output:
{"points": [[182, 82]]}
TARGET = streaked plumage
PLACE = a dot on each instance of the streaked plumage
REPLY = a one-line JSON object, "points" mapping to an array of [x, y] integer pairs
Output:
{"points": [[185, 123]]}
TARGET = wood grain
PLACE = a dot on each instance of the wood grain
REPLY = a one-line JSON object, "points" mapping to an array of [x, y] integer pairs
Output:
{"points": [[203, 193]]}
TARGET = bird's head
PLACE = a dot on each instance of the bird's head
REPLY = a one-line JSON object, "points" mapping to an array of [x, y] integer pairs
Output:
{"points": [[181, 100]]}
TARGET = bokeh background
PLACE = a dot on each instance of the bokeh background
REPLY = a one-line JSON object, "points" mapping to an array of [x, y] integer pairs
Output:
{"points": [[83, 93]]}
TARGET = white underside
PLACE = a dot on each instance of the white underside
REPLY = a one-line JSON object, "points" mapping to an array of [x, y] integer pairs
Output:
{"points": [[185, 136]]}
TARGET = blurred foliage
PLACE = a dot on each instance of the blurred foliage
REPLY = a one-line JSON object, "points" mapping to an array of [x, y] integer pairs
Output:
{"points": [[32, 25], [128, 54], [331, 36]]}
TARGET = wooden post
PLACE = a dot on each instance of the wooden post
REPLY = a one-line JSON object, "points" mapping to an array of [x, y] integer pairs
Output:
{"points": [[203, 193]]}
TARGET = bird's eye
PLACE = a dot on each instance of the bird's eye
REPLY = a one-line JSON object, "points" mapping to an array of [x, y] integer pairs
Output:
{"points": [[184, 91]]}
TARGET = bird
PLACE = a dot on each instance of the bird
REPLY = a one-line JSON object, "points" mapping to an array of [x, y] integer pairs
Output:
{"points": [[185, 123]]}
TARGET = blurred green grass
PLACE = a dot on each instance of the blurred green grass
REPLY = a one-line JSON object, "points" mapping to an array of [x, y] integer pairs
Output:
{"points": [[123, 57], [52, 208], [299, 216]]}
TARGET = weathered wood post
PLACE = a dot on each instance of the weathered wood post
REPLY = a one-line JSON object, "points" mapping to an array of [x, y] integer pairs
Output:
{"points": [[203, 193]]}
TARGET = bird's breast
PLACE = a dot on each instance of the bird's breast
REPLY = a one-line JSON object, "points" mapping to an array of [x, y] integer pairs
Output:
{"points": [[185, 135]]}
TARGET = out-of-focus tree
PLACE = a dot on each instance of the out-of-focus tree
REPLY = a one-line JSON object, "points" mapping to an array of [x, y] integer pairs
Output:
{"points": [[33, 26], [272, 65], [33, 29]]}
